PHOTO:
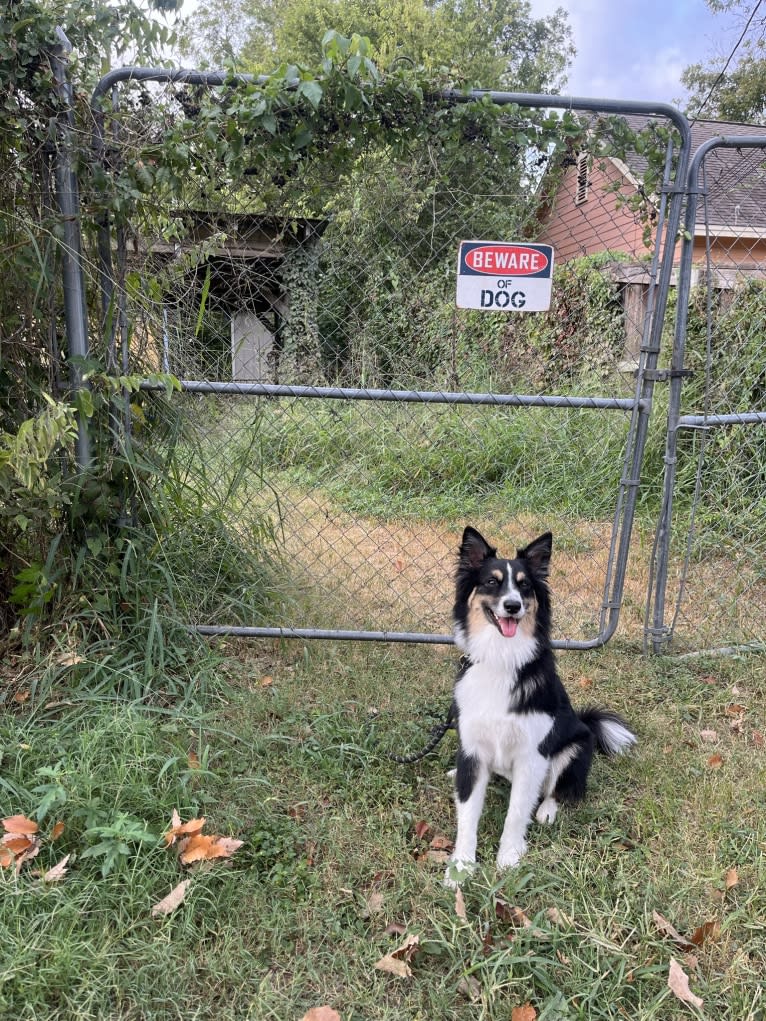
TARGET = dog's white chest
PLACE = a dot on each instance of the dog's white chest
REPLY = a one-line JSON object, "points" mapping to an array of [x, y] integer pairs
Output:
{"points": [[489, 728]]}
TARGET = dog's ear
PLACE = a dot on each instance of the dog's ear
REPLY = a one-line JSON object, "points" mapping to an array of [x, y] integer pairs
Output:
{"points": [[538, 554], [474, 549]]}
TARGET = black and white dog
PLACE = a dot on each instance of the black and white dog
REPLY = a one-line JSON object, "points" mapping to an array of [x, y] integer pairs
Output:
{"points": [[513, 715]]}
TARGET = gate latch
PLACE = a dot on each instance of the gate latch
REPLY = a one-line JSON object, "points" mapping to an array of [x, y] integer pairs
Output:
{"points": [[663, 375]]}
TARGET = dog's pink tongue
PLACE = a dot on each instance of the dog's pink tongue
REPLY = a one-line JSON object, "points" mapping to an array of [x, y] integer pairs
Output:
{"points": [[507, 626]]}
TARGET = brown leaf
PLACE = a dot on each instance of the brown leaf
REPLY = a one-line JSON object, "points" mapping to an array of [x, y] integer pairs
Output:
{"points": [[715, 761], [510, 914], [678, 983], [439, 857], [397, 962], [525, 1013], [321, 1014], [710, 736], [173, 899], [266, 682], [556, 917], [18, 843], [421, 829], [708, 930], [57, 830], [732, 878], [6, 857], [193, 760], [757, 739], [585, 682], [460, 905], [395, 929], [441, 843], [57, 873], [373, 904], [179, 829], [709, 680], [666, 929], [735, 709], [21, 697], [19, 824], [470, 987], [202, 847]]}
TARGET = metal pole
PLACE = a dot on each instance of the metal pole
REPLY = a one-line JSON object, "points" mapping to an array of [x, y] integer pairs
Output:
{"points": [[68, 198]]}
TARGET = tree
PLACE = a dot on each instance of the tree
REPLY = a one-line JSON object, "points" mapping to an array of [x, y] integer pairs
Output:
{"points": [[732, 89], [487, 43]]}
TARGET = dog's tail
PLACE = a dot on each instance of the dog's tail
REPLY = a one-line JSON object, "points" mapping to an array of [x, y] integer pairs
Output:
{"points": [[612, 734]]}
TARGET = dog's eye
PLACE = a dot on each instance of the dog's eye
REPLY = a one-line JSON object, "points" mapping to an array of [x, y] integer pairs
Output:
{"points": [[491, 582]]}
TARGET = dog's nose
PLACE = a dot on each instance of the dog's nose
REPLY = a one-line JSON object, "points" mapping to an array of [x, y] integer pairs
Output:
{"points": [[511, 606]]}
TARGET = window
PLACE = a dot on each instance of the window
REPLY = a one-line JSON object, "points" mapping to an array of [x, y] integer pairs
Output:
{"points": [[583, 178]]}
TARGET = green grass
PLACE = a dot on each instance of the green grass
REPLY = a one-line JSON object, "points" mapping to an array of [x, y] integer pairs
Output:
{"points": [[297, 768]]}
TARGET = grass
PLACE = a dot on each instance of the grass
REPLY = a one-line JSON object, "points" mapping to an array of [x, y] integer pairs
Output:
{"points": [[291, 756]]}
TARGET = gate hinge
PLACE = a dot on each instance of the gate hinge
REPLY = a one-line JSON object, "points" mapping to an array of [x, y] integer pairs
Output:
{"points": [[663, 375]]}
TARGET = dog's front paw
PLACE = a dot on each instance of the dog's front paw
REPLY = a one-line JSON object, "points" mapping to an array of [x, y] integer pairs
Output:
{"points": [[546, 813], [510, 856], [457, 872]]}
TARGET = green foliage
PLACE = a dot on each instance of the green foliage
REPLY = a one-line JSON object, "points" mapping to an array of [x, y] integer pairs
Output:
{"points": [[490, 45]]}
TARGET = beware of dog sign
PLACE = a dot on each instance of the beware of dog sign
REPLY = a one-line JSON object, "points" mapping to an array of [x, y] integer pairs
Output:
{"points": [[500, 276]]}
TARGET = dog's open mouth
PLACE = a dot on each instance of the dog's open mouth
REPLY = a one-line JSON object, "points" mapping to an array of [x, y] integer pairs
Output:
{"points": [[505, 625]]}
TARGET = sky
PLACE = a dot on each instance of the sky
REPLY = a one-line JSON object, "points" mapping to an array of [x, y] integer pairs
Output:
{"points": [[637, 49]]}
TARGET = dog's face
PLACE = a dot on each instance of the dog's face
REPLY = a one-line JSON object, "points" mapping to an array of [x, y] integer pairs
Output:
{"points": [[500, 594]]}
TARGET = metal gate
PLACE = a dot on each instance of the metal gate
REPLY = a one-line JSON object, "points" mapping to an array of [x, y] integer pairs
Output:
{"points": [[708, 586], [421, 418]]}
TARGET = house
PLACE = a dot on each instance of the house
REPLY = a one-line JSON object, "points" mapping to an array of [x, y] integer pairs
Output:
{"points": [[228, 292], [598, 204]]}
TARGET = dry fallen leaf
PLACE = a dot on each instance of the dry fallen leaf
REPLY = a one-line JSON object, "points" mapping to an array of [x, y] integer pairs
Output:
{"points": [[193, 760], [525, 1013], [321, 1014], [397, 962], [57, 873], [373, 904], [179, 829], [715, 761], [19, 824], [513, 915], [732, 878], [678, 983], [266, 682], [57, 830], [441, 843], [173, 899], [202, 847], [708, 930], [710, 736], [758, 739], [666, 929], [421, 829], [460, 905], [6, 858], [470, 988], [735, 709]]}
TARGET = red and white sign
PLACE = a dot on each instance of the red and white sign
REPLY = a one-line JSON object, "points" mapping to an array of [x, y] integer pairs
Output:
{"points": [[499, 276]]}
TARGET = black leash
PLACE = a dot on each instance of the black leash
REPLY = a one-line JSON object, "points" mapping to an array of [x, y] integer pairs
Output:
{"points": [[437, 733]]}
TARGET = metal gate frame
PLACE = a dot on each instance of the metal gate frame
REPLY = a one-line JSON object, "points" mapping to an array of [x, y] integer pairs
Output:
{"points": [[658, 632], [671, 200]]}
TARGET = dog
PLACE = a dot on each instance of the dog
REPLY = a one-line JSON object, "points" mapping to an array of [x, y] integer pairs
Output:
{"points": [[513, 716]]}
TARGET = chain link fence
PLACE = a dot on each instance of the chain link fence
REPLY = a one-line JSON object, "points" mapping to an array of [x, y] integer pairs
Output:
{"points": [[336, 400], [711, 546]]}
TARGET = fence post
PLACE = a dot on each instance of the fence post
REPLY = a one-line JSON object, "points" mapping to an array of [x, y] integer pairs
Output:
{"points": [[68, 199]]}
